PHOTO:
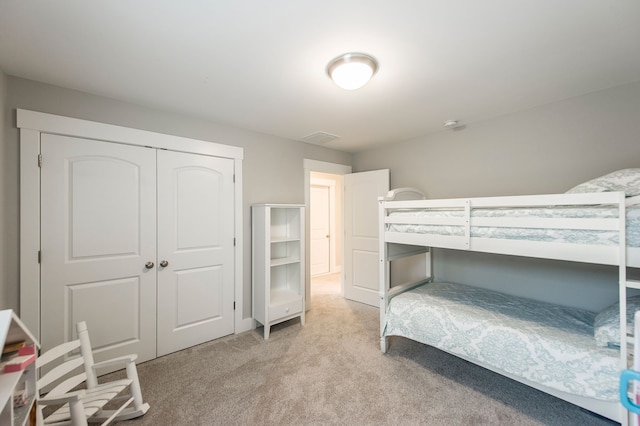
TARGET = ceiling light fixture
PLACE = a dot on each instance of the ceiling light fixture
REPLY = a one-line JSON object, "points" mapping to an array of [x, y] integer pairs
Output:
{"points": [[450, 124], [351, 71]]}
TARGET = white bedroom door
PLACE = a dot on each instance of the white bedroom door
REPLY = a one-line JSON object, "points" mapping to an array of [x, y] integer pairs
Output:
{"points": [[195, 249], [319, 230], [361, 192], [98, 232]]}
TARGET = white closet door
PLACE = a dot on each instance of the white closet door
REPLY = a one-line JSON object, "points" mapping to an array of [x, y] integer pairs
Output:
{"points": [[98, 232], [195, 239], [361, 192]]}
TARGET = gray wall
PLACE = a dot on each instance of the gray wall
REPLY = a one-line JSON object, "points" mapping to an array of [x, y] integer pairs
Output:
{"points": [[272, 168], [548, 149], [541, 150], [7, 292]]}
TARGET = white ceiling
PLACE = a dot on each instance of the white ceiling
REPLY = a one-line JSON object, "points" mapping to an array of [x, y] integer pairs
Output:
{"points": [[260, 65]]}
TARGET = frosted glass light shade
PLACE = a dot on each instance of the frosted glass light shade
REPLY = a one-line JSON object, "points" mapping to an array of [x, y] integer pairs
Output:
{"points": [[351, 71]]}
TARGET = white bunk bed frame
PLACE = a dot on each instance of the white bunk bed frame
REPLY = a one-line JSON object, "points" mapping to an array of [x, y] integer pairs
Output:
{"points": [[396, 245]]}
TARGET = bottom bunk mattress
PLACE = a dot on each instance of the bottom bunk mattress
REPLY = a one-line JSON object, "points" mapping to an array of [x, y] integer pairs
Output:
{"points": [[540, 342]]}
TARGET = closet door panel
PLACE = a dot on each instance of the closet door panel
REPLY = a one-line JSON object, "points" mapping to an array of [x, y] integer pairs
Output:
{"points": [[196, 289], [98, 231], [195, 239], [123, 328]]}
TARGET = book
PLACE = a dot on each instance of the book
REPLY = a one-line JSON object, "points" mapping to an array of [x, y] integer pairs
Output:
{"points": [[13, 347], [27, 350], [19, 363], [20, 398]]}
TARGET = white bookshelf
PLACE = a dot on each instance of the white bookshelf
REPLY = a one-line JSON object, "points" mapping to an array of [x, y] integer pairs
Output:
{"points": [[13, 330], [277, 263]]}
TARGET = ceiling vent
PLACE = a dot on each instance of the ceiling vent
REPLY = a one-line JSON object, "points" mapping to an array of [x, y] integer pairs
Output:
{"points": [[319, 138]]}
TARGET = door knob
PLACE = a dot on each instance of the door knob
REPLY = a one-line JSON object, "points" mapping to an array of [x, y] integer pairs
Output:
{"points": [[164, 263], [149, 265]]}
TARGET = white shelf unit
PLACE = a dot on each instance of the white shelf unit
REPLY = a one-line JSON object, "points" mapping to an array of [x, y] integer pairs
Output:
{"points": [[277, 245], [13, 330]]}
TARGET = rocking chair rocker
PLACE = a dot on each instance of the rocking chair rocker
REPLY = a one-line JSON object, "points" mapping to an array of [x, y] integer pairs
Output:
{"points": [[60, 400]]}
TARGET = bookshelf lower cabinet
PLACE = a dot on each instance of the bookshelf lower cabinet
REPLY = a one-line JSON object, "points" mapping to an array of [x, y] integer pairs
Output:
{"points": [[282, 311], [277, 248]]}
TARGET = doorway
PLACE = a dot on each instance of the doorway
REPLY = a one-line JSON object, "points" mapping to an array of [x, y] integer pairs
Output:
{"points": [[326, 284], [359, 212], [325, 244], [325, 176]]}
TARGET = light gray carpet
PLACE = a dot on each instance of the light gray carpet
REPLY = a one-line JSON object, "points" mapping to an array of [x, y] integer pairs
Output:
{"points": [[332, 372]]}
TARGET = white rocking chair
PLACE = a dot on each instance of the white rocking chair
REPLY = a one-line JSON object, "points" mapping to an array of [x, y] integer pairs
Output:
{"points": [[60, 401]]}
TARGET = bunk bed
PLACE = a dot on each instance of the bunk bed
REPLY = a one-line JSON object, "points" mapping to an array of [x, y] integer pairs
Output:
{"points": [[573, 354]]}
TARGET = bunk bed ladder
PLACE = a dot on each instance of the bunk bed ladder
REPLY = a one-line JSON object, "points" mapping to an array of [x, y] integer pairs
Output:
{"points": [[631, 401], [628, 417], [383, 272]]}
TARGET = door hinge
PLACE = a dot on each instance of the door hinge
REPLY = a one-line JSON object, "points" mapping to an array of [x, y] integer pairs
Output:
{"points": [[39, 256], [234, 178], [234, 241], [39, 160], [234, 305]]}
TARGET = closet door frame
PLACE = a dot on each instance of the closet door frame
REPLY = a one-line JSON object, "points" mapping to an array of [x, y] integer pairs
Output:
{"points": [[32, 124]]}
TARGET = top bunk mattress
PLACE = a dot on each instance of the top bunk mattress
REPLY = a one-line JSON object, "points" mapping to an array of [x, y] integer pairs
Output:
{"points": [[544, 343], [422, 218]]}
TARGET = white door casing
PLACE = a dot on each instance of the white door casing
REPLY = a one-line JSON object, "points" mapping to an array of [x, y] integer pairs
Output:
{"points": [[37, 126], [98, 277], [311, 166], [361, 192], [195, 239], [319, 229]]}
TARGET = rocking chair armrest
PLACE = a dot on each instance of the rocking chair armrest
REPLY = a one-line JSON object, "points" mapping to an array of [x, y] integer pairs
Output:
{"points": [[120, 361], [61, 398]]}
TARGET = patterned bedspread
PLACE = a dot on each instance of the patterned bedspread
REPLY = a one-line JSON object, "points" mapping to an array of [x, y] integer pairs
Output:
{"points": [[541, 342], [548, 235]]}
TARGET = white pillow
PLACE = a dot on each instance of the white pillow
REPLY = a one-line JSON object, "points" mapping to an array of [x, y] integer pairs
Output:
{"points": [[607, 323], [627, 180]]}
